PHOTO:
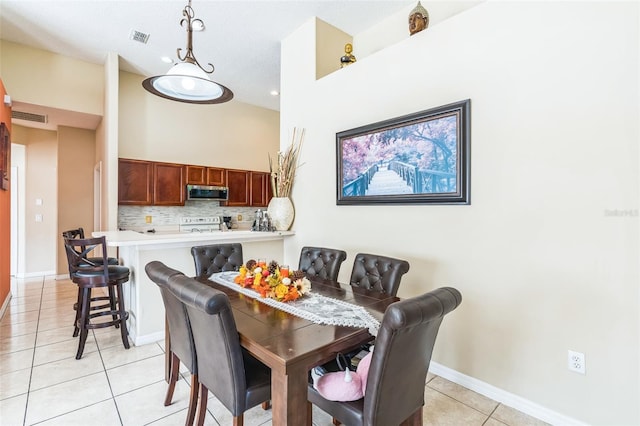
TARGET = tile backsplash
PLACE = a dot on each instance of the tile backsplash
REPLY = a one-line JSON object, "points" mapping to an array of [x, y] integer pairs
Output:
{"points": [[134, 216]]}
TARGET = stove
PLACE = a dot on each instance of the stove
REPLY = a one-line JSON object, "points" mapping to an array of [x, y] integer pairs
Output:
{"points": [[200, 224]]}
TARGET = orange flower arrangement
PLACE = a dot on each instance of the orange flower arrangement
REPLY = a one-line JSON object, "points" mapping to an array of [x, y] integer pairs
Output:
{"points": [[273, 281]]}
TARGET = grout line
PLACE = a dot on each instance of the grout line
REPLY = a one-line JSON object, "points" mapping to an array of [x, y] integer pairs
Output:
{"points": [[33, 357]]}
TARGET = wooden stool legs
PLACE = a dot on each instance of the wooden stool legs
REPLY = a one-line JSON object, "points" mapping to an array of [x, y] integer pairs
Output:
{"points": [[85, 313]]}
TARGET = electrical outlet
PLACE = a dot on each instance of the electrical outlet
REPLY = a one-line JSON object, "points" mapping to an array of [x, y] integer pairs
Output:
{"points": [[576, 362], [147, 219], [239, 218]]}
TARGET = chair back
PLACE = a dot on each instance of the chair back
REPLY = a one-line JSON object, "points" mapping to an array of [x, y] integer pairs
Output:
{"points": [[73, 233], [220, 360], [400, 360], [81, 265], [321, 262], [217, 258], [378, 273], [179, 327]]}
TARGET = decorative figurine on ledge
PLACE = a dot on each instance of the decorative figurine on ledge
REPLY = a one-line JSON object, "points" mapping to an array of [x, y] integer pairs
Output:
{"points": [[348, 57], [418, 19]]}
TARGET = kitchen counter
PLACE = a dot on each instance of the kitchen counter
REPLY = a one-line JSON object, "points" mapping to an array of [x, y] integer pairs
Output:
{"points": [[135, 249], [135, 238]]}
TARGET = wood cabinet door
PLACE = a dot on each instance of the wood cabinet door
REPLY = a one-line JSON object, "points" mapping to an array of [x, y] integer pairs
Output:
{"points": [[168, 184], [135, 180], [216, 176], [260, 189], [196, 175], [239, 183]]}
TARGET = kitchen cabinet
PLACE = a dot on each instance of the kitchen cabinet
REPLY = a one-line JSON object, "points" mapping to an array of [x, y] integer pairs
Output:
{"points": [[135, 182], [145, 183], [239, 183], [201, 175], [168, 184], [260, 189]]}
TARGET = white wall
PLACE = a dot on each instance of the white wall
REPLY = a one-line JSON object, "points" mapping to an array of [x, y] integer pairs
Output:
{"points": [[544, 262]]}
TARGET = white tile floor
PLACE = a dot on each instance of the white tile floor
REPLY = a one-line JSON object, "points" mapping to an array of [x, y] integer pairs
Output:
{"points": [[42, 383]]}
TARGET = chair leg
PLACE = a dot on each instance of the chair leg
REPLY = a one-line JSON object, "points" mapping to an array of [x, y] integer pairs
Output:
{"points": [[78, 306], [173, 378], [193, 400], [83, 320], [112, 305], [238, 420], [123, 318], [202, 404], [336, 422], [266, 405], [309, 413], [414, 420]]}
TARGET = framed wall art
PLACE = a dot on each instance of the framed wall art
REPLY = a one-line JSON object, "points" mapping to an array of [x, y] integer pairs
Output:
{"points": [[5, 159], [422, 157]]}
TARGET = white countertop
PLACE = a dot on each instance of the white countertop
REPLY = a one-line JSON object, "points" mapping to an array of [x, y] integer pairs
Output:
{"points": [[133, 238]]}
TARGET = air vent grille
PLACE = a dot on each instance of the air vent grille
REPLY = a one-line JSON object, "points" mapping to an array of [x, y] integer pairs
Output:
{"points": [[28, 116], [139, 36]]}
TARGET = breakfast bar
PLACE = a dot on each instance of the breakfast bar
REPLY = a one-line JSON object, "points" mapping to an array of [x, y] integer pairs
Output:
{"points": [[142, 299]]}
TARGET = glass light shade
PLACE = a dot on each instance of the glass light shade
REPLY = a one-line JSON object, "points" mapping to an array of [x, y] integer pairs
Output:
{"points": [[186, 82]]}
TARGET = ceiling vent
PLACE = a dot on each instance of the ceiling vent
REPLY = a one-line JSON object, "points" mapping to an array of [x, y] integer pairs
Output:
{"points": [[36, 118], [139, 36]]}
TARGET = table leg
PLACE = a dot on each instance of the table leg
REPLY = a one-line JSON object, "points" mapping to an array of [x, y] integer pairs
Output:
{"points": [[289, 398]]}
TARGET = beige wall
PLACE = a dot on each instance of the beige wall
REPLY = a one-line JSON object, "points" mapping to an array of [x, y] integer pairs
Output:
{"points": [[43, 78], [542, 266], [231, 135], [41, 183], [76, 156]]}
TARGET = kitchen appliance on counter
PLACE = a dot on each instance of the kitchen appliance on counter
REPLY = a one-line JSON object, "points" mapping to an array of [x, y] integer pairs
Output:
{"points": [[227, 221], [207, 192], [200, 224]]}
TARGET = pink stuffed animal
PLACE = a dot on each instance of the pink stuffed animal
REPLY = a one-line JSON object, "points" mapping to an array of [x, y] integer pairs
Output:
{"points": [[344, 385]]}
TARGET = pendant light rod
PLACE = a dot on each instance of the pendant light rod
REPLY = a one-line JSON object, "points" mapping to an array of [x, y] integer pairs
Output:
{"points": [[190, 19]]}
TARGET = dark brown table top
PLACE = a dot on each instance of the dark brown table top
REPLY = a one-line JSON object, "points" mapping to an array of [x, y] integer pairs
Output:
{"points": [[288, 337]]}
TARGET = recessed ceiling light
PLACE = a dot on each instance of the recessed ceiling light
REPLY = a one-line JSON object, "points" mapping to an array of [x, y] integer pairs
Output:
{"points": [[274, 93], [166, 59]]}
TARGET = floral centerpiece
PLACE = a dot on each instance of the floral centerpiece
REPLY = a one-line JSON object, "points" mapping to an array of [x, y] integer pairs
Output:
{"points": [[273, 281]]}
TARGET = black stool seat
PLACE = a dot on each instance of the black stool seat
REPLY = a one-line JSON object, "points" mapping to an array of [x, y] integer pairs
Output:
{"points": [[89, 275]]}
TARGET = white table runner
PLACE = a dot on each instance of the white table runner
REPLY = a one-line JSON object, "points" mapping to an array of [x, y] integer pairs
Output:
{"points": [[313, 307]]}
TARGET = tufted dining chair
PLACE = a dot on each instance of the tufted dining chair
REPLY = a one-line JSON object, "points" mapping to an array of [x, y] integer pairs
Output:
{"points": [[394, 391], [321, 262], [237, 379], [181, 347], [378, 273], [214, 258]]}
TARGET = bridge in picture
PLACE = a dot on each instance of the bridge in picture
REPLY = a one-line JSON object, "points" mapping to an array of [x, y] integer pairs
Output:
{"points": [[385, 182], [400, 178]]}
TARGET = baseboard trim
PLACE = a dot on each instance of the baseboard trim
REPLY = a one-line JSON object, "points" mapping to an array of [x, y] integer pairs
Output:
{"points": [[147, 338], [5, 304], [42, 274], [504, 397]]}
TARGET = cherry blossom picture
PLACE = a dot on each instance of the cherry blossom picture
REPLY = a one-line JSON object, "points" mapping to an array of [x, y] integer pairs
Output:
{"points": [[418, 158]]}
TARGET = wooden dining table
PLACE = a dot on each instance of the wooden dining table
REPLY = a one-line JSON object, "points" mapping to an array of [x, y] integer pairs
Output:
{"points": [[291, 346]]}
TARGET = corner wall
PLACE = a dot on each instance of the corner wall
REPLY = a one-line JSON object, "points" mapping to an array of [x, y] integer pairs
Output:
{"points": [[5, 215], [546, 256]]}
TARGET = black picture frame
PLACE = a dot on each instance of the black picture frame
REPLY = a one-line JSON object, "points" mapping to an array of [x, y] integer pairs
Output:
{"points": [[5, 159], [420, 158]]}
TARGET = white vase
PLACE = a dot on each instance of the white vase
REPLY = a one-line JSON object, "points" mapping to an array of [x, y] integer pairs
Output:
{"points": [[281, 212]]}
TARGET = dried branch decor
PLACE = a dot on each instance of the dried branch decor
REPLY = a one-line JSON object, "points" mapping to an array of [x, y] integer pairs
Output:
{"points": [[287, 163]]}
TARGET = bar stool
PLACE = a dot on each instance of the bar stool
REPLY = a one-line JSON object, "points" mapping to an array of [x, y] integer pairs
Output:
{"points": [[79, 234], [89, 275]]}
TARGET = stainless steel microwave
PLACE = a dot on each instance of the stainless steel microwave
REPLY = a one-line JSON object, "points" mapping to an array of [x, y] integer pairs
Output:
{"points": [[206, 192]]}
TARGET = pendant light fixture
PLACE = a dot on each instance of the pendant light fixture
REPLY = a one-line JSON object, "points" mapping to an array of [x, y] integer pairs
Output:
{"points": [[187, 81]]}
